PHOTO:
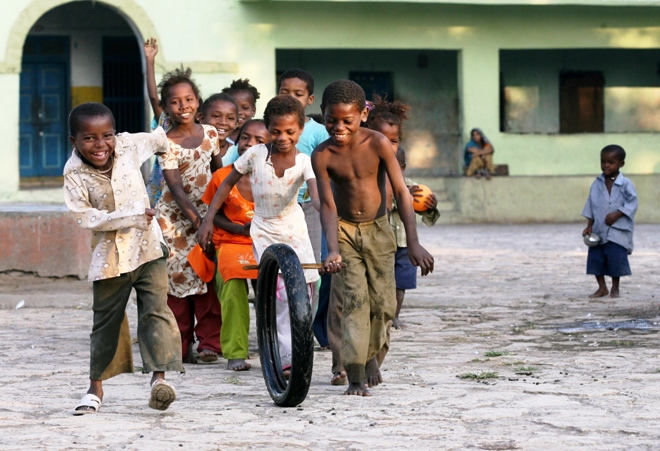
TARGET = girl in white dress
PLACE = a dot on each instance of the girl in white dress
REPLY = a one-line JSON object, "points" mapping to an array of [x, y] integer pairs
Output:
{"points": [[276, 170]]}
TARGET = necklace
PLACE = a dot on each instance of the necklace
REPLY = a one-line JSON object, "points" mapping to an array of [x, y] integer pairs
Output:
{"points": [[106, 171]]}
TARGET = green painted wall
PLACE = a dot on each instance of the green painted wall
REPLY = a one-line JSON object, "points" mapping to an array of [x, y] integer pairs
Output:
{"points": [[228, 39]]}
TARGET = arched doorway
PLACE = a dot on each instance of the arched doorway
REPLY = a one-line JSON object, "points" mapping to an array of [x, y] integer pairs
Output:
{"points": [[75, 53]]}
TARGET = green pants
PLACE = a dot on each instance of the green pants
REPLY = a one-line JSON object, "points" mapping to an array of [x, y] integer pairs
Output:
{"points": [[368, 291], [110, 342], [233, 296]]}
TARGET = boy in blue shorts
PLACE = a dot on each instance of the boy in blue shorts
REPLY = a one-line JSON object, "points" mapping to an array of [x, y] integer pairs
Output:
{"points": [[405, 274], [610, 210]]}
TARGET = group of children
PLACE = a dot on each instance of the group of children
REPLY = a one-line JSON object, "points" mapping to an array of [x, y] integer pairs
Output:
{"points": [[234, 185]]}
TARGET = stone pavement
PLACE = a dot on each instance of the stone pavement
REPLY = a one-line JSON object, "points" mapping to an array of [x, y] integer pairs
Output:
{"points": [[480, 365]]}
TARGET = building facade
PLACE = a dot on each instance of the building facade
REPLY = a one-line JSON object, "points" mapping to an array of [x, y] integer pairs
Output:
{"points": [[550, 84]]}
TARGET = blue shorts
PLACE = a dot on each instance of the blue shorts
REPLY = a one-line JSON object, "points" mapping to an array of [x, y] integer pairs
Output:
{"points": [[405, 274], [609, 259]]}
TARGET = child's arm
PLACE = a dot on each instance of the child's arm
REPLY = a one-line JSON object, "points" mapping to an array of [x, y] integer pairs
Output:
{"points": [[629, 207], [150, 52], [148, 144], [205, 232], [88, 217], [590, 225], [418, 255], [314, 194], [175, 183], [221, 221], [329, 219]]}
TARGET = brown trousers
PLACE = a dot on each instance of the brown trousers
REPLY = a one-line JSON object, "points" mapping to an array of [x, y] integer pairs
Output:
{"points": [[362, 297]]}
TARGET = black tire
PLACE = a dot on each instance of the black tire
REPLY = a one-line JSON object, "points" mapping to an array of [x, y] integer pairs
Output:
{"points": [[292, 392]]}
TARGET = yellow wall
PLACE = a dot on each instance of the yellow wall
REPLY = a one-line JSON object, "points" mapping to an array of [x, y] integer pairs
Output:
{"points": [[82, 94]]}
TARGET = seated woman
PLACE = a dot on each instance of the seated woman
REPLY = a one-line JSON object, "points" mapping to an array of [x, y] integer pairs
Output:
{"points": [[231, 238], [479, 155]]}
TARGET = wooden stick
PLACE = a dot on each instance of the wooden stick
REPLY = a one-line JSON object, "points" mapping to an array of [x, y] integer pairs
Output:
{"points": [[304, 266]]}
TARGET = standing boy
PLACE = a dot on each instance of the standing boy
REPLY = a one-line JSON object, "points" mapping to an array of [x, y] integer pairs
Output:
{"points": [[357, 230], [104, 189], [610, 209]]}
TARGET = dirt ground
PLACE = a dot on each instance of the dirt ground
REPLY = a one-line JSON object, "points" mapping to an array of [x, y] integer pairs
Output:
{"points": [[502, 350]]}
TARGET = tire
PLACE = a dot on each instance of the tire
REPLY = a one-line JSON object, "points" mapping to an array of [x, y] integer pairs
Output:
{"points": [[294, 391]]}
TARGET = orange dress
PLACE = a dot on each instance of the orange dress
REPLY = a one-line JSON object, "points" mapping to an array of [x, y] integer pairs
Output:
{"points": [[234, 251]]}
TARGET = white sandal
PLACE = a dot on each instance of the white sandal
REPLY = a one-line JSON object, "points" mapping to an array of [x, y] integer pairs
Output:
{"points": [[162, 395], [89, 400]]}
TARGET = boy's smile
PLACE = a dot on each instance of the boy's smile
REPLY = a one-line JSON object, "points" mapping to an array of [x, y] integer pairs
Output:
{"points": [[223, 116], [296, 88], [342, 121], [610, 164], [182, 103], [95, 141], [284, 132]]}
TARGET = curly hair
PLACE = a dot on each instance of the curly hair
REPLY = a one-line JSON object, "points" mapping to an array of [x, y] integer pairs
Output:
{"points": [[384, 112], [300, 74], [85, 111], [219, 97], [175, 77], [242, 84], [344, 91], [284, 105]]}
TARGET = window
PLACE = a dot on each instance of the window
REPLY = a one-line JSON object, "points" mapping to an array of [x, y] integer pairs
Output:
{"points": [[581, 106]]}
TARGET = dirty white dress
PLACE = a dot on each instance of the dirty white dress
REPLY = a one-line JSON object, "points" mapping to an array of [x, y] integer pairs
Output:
{"points": [[279, 219]]}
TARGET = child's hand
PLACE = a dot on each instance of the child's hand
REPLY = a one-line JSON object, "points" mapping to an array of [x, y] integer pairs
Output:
{"points": [[587, 231], [613, 217], [149, 213], [205, 234], [331, 264], [246, 229], [420, 257], [431, 202], [150, 49]]}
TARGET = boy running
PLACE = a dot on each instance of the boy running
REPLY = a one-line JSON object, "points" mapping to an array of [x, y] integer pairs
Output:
{"points": [[357, 230], [104, 190]]}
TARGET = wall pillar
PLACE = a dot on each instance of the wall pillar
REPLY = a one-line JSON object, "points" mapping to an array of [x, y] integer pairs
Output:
{"points": [[9, 173], [478, 84]]}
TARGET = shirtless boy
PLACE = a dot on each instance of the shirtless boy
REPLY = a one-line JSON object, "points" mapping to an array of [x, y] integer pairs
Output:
{"points": [[357, 230]]}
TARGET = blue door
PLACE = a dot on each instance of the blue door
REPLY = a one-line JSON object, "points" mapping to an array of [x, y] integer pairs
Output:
{"points": [[43, 107]]}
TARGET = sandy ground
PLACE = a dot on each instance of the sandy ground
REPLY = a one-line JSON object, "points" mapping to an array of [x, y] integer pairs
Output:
{"points": [[493, 307]]}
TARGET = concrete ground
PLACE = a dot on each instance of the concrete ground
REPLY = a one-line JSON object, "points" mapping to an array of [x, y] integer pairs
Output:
{"points": [[503, 349]]}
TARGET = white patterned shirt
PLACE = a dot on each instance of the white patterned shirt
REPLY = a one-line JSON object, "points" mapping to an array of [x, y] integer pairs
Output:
{"points": [[113, 209]]}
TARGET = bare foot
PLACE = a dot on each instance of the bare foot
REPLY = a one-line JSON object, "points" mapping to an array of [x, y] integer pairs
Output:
{"points": [[190, 357], [599, 293], [287, 374], [397, 324], [614, 293], [372, 373], [356, 389], [206, 355], [338, 378], [238, 365]]}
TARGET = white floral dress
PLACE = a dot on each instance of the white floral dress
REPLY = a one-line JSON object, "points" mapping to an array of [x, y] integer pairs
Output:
{"points": [[195, 168], [277, 216]]}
